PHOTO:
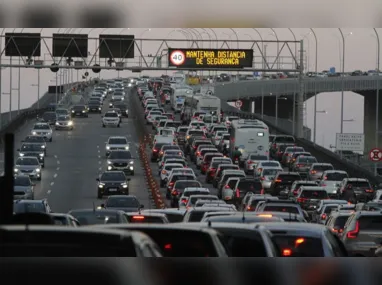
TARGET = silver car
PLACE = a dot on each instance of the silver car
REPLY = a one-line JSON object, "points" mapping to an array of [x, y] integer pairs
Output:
{"points": [[267, 175], [116, 143], [331, 180], [121, 160], [28, 166], [23, 188], [64, 122], [251, 162], [316, 170], [32, 149], [42, 130]]}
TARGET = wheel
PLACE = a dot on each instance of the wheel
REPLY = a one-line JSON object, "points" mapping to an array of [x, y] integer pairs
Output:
{"points": [[118, 125], [132, 173], [103, 126], [51, 139], [99, 195], [39, 179]]}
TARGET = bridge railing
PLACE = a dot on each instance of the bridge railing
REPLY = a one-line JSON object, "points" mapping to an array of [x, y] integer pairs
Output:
{"points": [[316, 150]]}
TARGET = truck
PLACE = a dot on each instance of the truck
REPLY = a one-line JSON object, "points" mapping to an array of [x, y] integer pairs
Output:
{"points": [[204, 103], [250, 136], [178, 97]]}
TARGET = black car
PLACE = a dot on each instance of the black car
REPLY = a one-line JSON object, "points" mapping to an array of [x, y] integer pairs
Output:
{"points": [[95, 106], [99, 216], [32, 149], [123, 107], [112, 183], [121, 160], [126, 203], [80, 111], [40, 141], [48, 117]]}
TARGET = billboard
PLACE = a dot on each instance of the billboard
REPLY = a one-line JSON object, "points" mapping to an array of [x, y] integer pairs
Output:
{"points": [[70, 45], [22, 44], [116, 46], [210, 58]]}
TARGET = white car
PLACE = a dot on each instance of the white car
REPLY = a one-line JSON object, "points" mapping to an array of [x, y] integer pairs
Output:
{"points": [[42, 130], [116, 143], [111, 118], [217, 137], [192, 191], [266, 163], [267, 175], [166, 170]]}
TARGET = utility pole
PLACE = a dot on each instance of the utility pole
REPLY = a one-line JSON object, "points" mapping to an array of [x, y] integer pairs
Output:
{"points": [[300, 95]]}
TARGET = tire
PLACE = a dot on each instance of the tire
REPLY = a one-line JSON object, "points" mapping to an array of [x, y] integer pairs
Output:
{"points": [[39, 179], [118, 126], [99, 195], [103, 126], [51, 139]]}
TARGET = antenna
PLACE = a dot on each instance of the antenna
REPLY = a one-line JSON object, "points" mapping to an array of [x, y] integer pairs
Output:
{"points": [[94, 207]]}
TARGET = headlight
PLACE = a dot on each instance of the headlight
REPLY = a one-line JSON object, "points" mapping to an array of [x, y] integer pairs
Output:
{"points": [[57, 123], [129, 85], [131, 168], [72, 111], [16, 170], [43, 146], [101, 185], [34, 133], [109, 168], [108, 162], [40, 154], [38, 169], [107, 147], [124, 185], [21, 154], [83, 111], [70, 123], [99, 108], [131, 162], [127, 147]]}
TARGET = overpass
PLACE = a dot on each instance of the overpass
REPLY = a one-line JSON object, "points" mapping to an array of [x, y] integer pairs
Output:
{"points": [[265, 90]]}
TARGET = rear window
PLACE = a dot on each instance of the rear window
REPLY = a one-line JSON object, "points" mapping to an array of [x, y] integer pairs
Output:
{"points": [[270, 164], [217, 163], [232, 175], [159, 145], [174, 218], [209, 157], [289, 177], [322, 167], [306, 159], [370, 223], [341, 221], [189, 193], [281, 208], [184, 184], [319, 194], [363, 184], [183, 177], [145, 220], [284, 140], [201, 133], [249, 186], [335, 176], [329, 209], [258, 157], [196, 216], [299, 246]]}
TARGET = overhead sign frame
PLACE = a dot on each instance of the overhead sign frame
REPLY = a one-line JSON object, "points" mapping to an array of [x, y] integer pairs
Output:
{"points": [[23, 44], [350, 142], [210, 58]]}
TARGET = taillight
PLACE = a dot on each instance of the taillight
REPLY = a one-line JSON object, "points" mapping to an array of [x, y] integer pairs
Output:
{"points": [[301, 200], [174, 192], [237, 193], [262, 178], [369, 191], [313, 172], [278, 180], [198, 153], [184, 201], [323, 216], [299, 165], [295, 192], [249, 208], [262, 192], [171, 183], [250, 161], [138, 218], [287, 252], [227, 186], [155, 150], [354, 233], [164, 172]]}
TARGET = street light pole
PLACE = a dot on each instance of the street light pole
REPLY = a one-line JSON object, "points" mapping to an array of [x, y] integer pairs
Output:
{"points": [[277, 110], [315, 88], [10, 90], [377, 103], [343, 80]]}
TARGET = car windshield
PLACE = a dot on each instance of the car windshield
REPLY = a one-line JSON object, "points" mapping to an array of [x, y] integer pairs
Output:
{"points": [[122, 202], [335, 176], [32, 207], [63, 118], [31, 147], [79, 108], [49, 116], [299, 246], [95, 218], [314, 194], [307, 159], [113, 176], [111, 115], [270, 172], [117, 141], [370, 223], [34, 139], [120, 155], [41, 127], [61, 111], [22, 181], [27, 161]]}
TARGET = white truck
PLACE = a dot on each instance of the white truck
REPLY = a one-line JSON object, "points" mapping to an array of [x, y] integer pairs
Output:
{"points": [[177, 98], [250, 136], [204, 103]]}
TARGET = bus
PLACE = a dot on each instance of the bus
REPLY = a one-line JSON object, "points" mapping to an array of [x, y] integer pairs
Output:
{"points": [[207, 104], [250, 136], [178, 97]]}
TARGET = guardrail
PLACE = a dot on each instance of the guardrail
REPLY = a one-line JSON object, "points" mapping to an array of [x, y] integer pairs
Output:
{"points": [[316, 150]]}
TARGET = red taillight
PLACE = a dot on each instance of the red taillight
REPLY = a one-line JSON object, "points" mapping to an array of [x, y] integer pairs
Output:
{"points": [[262, 178], [323, 216], [313, 172], [301, 200], [168, 246], [295, 192], [198, 153], [369, 191], [299, 165], [237, 193], [278, 180], [249, 208], [138, 217], [155, 150], [184, 201], [250, 161], [262, 192], [326, 178], [171, 183], [174, 192], [354, 234], [287, 252], [195, 147], [227, 186]]}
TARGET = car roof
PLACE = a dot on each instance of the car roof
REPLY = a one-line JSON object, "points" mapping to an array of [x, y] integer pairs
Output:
{"points": [[180, 211], [306, 229], [95, 211], [313, 188], [196, 189]]}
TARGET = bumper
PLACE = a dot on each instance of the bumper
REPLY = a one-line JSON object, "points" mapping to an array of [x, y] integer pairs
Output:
{"points": [[126, 170], [113, 191], [32, 175], [95, 110], [116, 123], [27, 196], [79, 114], [64, 127]]}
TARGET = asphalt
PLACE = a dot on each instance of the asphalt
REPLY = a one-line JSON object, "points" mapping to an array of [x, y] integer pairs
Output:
{"points": [[76, 158]]}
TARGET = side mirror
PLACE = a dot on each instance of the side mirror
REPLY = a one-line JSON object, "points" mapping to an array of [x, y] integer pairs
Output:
{"points": [[142, 206], [97, 179], [128, 179]]}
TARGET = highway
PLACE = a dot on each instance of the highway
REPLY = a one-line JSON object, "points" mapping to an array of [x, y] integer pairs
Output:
{"points": [[75, 159]]}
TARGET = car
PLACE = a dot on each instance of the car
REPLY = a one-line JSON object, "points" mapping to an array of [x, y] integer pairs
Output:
{"points": [[121, 160], [62, 112], [40, 141], [95, 106], [31, 149], [80, 111], [331, 180], [116, 143], [61, 219], [28, 166], [284, 206], [183, 199], [126, 203], [47, 117], [178, 190], [251, 162], [112, 183], [123, 107], [317, 169], [87, 217], [267, 175], [23, 188], [64, 123], [166, 170], [111, 118], [31, 206], [43, 130]]}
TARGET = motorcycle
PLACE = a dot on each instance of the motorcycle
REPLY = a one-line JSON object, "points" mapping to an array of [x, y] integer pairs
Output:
{"points": [[236, 161]]}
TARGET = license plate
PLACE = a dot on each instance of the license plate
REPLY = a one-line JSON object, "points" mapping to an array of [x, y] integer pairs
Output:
{"points": [[113, 189], [78, 113]]}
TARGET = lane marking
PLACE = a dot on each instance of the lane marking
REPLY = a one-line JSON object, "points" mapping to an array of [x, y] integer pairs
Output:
{"points": [[97, 146], [51, 183], [99, 156], [57, 168], [99, 151], [49, 191], [55, 156], [55, 175], [100, 168], [58, 162], [99, 162]]}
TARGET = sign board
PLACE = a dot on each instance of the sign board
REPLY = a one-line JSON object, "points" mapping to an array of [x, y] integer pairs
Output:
{"points": [[332, 70], [238, 104], [375, 155], [350, 142], [210, 58]]}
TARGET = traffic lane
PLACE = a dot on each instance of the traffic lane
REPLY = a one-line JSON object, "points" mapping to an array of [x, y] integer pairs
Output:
{"points": [[83, 159]]}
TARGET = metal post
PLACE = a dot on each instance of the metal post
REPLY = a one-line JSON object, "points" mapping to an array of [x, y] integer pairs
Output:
{"points": [[262, 102], [277, 110], [18, 89], [1, 73], [300, 97], [294, 114], [377, 103], [56, 88], [315, 89], [10, 90], [38, 89], [342, 81]]}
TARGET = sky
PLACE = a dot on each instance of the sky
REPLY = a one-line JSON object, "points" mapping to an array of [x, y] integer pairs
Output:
{"points": [[360, 54]]}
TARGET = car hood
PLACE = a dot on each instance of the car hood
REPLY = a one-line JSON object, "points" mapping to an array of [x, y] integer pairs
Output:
{"points": [[117, 145], [120, 160], [41, 131], [31, 153], [27, 167], [112, 183], [22, 188], [63, 122]]}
